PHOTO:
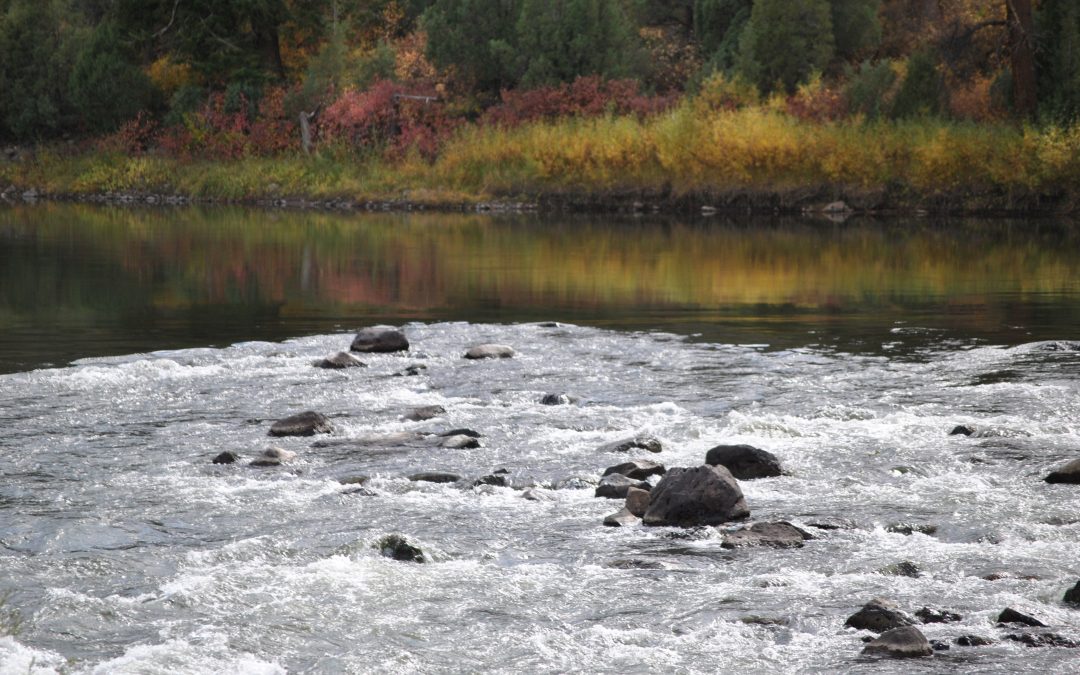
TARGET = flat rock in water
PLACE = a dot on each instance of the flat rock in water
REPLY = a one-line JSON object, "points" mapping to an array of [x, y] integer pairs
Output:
{"points": [[305, 424], [878, 616], [490, 351], [1010, 615], [705, 495], [227, 457], [1069, 473], [340, 361], [745, 462], [638, 469], [461, 432], [400, 547], [435, 477], [379, 339], [536, 495], [424, 413], [616, 486], [774, 535], [927, 615], [1043, 640], [1072, 596], [637, 501], [623, 518], [904, 642], [634, 564], [647, 443]]}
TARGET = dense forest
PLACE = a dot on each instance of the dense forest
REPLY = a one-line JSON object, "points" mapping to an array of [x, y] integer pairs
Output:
{"points": [[485, 96]]}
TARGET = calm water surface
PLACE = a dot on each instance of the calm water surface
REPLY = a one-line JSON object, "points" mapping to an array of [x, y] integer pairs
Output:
{"points": [[136, 345]]}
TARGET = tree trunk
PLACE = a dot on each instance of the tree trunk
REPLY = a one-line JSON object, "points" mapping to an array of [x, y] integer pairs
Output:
{"points": [[305, 129], [1022, 56]]}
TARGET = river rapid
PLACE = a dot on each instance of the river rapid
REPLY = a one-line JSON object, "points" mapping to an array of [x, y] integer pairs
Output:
{"points": [[128, 552]]}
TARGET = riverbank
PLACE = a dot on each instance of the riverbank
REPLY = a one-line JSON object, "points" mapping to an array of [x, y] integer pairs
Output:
{"points": [[686, 161]]}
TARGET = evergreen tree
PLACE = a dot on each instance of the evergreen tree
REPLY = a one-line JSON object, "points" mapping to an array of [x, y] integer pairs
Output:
{"points": [[718, 26], [785, 42], [106, 88], [856, 28], [1059, 60], [475, 37]]}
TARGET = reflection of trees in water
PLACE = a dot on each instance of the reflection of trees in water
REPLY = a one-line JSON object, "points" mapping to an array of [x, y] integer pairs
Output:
{"points": [[190, 257]]}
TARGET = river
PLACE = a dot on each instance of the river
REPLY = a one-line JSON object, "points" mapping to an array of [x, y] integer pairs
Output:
{"points": [[136, 345]]}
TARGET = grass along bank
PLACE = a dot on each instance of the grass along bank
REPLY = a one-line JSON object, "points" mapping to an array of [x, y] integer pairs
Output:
{"points": [[690, 155]]}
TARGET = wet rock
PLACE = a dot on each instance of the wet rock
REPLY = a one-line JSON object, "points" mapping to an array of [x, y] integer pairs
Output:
{"points": [[637, 501], [458, 442], [647, 443], [633, 564], [379, 339], [705, 495], [773, 535], [939, 645], [495, 479], [833, 524], [1043, 640], [698, 533], [904, 642], [340, 361], [360, 492], [745, 462], [227, 457], [878, 616], [274, 457], [400, 547], [556, 399], [622, 518], [904, 568], [412, 371], [928, 615], [962, 430], [973, 641], [435, 477], [1072, 596], [616, 486], [638, 469], [305, 424], [461, 432], [1069, 473], [1010, 615], [536, 495], [909, 529], [425, 413], [490, 351]]}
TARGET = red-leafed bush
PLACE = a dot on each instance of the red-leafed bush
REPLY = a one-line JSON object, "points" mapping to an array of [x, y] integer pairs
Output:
{"points": [[362, 119], [134, 137], [585, 97], [817, 102], [224, 130]]}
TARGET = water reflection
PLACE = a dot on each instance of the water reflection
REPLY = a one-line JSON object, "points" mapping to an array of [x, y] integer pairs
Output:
{"points": [[79, 281]]}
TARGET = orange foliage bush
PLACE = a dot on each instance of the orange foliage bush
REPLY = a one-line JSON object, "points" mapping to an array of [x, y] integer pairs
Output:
{"points": [[585, 97]]}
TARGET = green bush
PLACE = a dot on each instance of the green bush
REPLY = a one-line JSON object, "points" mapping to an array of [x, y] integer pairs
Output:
{"points": [[922, 93], [106, 88], [868, 87], [785, 42]]}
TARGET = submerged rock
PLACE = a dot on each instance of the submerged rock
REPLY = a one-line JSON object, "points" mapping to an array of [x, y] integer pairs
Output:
{"points": [[962, 430], [380, 339], [494, 479], [775, 535], [637, 501], [273, 457], [1043, 640], [905, 568], [490, 351], [1072, 596], [633, 564], [878, 616], [461, 432], [1010, 615], [745, 462], [412, 371], [536, 495], [638, 469], [616, 486], [705, 495], [227, 457], [305, 424], [927, 615], [557, 399], [904, 642], [973, 641], [340, 361], [435, 477], [909, 529], [458, 442], [1069, 473], [647, 443], [622, 518], [424, 413], [400, 547]]}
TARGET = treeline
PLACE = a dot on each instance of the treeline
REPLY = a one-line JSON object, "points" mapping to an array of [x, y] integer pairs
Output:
{"points": [[231, 77]]}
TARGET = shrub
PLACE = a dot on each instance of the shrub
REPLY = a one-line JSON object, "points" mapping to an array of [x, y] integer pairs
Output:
{"points": [[923, 92], [869, 88], [584, 97], [785, 42], [817, 102]]}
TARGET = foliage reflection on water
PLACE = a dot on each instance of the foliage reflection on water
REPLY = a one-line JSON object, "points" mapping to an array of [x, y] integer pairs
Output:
{"points": [[81, 281]]}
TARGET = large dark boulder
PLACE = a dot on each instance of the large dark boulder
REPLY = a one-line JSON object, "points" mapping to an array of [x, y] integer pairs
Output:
{"points": [[647, 443], [380, 339], [745, 462], [340, 361], [774, 535], [1069, 473], [490, 351], [227, 457], [878, 616], [705, 495], [1072, 596], [616, 486], [305, 424], [1010, 615], [400, 547], [904, 642], [638, 469]]}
